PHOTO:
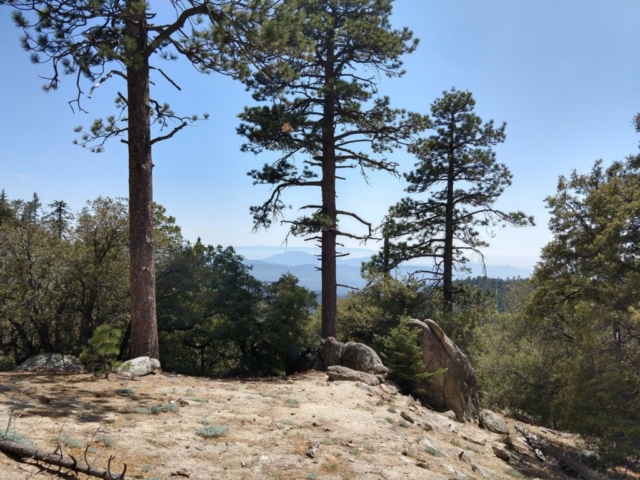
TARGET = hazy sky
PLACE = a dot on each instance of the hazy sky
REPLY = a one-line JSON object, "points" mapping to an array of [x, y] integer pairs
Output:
{"points": [[563, 74]]}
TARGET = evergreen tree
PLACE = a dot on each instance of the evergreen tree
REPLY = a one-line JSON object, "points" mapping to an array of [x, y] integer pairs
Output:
{"points": [[460, 160], [59, 217], [31, 209], [323, 109], [102, 39], [6, 212]]}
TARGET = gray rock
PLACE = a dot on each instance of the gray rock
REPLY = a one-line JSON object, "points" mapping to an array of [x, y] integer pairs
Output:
{"points": [[457, 388], [492, 422], [464, 456], [337, 372], [450, 414], [52, 363], [501, 452], [139, 366], [330, 352], [483, 472], [358, 356]]}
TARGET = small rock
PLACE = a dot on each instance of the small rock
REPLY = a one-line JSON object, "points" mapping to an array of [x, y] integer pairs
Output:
{"points": [[139, 366], [464, 456], [500, 452], [472, 439], [484, 473], [450, 414], [337, 372]]}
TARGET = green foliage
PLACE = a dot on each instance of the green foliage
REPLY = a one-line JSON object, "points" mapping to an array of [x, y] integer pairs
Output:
{"points": [[71, 442], [102, 350], [105, 440], [211, 431], [367, 315], [403, 355]]}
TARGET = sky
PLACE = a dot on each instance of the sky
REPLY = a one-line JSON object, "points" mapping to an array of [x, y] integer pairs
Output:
{"points": [[563, 75]]}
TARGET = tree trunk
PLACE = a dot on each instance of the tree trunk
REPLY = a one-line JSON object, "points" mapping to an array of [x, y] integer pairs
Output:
{"points": [[144, 328], [448, 241], [329, 210]]}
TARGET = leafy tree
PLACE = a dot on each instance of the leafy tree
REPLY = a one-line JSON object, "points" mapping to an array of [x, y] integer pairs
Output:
{"points": [[98, 40], [586, 296], [368, 315], [459, 158], [323, 107]]}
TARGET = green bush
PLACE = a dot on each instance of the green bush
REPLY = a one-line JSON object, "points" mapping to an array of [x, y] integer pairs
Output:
{"points": [[102, 350], [403, 355]]}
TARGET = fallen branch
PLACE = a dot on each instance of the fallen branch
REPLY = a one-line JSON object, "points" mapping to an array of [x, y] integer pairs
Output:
{"points": [[59, 461], [536, 442]]}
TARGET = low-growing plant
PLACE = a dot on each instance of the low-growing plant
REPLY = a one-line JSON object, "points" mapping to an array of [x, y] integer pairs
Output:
{"points": [[204, 421], [390, 420], [211, 431], [105, 440], [391, 409], [514, 473], [71, 442], [403, 423], [293, 403], [16, 437], [432, 451]]}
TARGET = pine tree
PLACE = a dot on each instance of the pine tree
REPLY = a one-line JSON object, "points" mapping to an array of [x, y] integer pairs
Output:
{"points": [[322, 105], [98, 40], [59, 217], [444, 226]]}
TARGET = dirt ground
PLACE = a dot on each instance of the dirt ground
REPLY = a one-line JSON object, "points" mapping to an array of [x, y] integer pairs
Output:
{"points": [[268, 426]]}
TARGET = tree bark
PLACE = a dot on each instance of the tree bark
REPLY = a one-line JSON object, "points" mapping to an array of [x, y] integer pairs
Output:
{"points": [[144, 327], [329, 209], [448, 238]]}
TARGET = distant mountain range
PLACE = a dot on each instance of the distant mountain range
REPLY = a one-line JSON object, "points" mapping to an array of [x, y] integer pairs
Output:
{"points": [[302, 263]]}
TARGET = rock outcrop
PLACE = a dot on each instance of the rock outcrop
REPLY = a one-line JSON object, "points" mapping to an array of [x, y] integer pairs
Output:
{"points": [[457, 388], [358, 356], [337, 372], [330, 352], [139, 367], [52, 363]]}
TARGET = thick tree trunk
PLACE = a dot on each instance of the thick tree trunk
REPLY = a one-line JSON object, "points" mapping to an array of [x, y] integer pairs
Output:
{"points": [[329, 210], [144, 328]]}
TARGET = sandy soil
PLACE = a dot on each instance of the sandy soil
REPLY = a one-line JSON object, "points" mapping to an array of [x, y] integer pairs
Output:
{"points": [[270, 425]]}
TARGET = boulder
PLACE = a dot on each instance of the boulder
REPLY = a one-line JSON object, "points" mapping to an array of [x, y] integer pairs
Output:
{"points": [[337, 372], [330, 352], [457, 388], [492, 422], [52, 363], [140, 366], [358, 356]]}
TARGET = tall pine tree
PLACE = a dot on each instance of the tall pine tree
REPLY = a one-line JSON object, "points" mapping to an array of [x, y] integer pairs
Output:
{"points": [[98, 40], [458, 171], [322, 107]]}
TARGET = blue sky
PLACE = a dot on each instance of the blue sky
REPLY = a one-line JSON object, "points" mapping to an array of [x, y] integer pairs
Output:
{"points": [[562, 74]]}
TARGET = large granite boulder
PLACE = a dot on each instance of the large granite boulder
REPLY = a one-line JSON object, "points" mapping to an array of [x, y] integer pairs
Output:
{"points": [[139, 367], [457, 388], [330, 352], [358, 356], [337, 372], [52, 363]]}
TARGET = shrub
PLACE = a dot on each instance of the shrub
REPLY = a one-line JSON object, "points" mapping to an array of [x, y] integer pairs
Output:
{"points": [[102, 350], [211, 431]]}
